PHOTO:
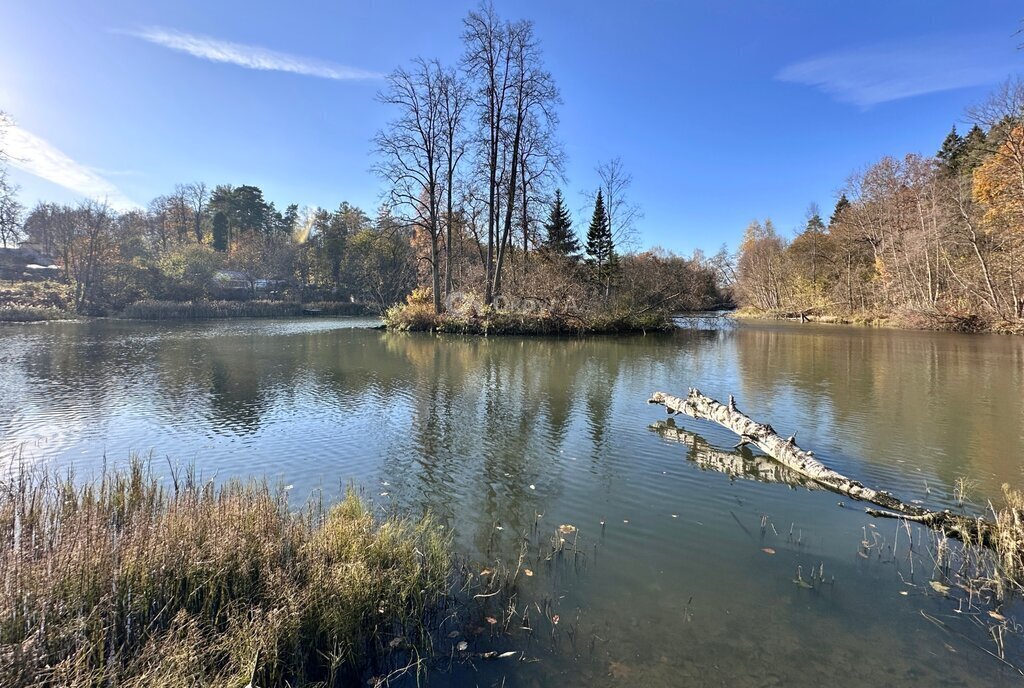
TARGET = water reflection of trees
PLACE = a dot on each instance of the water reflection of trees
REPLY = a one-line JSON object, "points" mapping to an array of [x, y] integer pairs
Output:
{"points": [[948, 404], [493, 416]]}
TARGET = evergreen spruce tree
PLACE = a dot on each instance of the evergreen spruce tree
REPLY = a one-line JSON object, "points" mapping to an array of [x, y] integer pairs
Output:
{"points": [[600, 245], [220, 231], [560, 240], [977, 145], [841, 205], [952, 151]]}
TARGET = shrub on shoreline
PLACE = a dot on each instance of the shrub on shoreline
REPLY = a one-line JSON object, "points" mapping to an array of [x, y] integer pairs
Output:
{"points": [[32, 314], [901, 319], [126, 582], [35, 301]]}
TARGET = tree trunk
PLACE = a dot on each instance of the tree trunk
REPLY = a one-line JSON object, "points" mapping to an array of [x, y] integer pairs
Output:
{"points": [[786, 452]]}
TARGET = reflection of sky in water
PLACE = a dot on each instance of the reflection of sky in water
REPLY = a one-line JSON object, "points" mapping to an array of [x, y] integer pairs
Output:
{"points": [[465, 426]]}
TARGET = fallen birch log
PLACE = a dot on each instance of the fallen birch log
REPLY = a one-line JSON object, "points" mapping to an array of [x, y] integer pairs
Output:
{"points": [[804, 463]]}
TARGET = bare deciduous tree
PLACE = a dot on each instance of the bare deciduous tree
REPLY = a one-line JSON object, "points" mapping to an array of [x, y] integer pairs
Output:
{"points": [[411, 152], [10, 210], [197, 196], [623, 214]]}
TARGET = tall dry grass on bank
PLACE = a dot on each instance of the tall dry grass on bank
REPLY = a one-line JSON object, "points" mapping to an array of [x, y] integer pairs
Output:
{"points": [[20, 314], [999, 568], [126, 582]]}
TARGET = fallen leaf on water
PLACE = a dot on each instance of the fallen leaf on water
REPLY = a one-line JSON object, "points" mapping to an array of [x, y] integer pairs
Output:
{"points": [[462, 647], [619, 670], [566, 529], [486, 572], [554, 619], [939, 587], [768, 550], [996, 615], [528, 572], [491, 620]]}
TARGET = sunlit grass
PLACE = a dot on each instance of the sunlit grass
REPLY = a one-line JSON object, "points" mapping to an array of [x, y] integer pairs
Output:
{"points": [[130, 581]]}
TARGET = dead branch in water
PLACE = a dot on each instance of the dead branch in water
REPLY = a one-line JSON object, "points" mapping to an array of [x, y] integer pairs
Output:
{"points": [[804, 463]]}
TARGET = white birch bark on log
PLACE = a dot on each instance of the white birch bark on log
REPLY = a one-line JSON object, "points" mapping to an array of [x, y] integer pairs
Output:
{"points": [[787, 453]]}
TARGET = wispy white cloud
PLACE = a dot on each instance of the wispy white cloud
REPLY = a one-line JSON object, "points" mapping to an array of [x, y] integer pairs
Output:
{"points": [[881, 73], [36, 156], [248, 56]]}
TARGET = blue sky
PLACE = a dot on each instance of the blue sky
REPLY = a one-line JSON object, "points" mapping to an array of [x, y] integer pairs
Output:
{"points": [[722, 111]]}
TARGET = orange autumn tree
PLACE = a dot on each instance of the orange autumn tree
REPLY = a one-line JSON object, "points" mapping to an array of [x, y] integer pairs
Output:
{"points": [[998, 189]]}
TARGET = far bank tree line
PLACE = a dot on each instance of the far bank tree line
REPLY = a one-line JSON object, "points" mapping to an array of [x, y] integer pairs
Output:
{"points": [[178, 247], [472, 166], [933, 240]]}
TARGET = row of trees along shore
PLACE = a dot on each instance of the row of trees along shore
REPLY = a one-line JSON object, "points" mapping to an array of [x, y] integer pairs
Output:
{"points": [[923, 241], [471, 166]]}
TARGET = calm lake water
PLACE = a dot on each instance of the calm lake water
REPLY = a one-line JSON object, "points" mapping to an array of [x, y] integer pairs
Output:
{"points": [[675, 588]]}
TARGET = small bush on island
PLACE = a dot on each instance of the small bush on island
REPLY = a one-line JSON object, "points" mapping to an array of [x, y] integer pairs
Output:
{"points": [[124, 581]]}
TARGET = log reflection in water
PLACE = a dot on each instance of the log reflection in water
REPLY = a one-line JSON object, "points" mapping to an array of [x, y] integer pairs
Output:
{"points": [[741, 463]]}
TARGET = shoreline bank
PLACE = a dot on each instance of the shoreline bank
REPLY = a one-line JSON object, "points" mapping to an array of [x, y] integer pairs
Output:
{"points": [[916, 322]]}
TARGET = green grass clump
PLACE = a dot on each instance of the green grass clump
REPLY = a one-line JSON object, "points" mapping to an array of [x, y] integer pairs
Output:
{"points": [[123, 581]]}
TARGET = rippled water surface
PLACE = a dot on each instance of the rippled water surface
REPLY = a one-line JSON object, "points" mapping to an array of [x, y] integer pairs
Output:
{"points": [[490, 433]]}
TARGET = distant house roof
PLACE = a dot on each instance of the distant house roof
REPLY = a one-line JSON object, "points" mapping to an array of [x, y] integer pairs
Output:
{"points": [[15, 262], [228, 275]]}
